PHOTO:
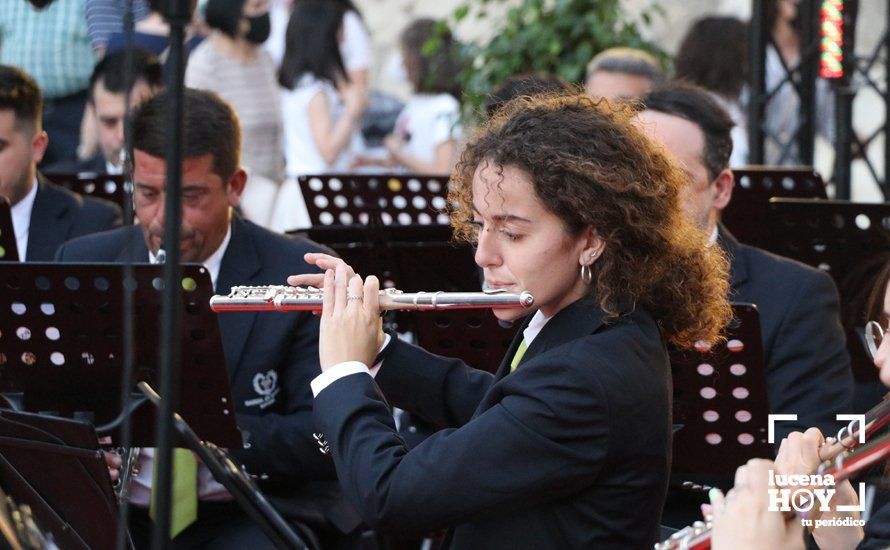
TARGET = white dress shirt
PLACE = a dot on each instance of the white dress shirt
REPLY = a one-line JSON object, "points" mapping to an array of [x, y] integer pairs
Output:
{"points": [[208, 488], [21, 220]]}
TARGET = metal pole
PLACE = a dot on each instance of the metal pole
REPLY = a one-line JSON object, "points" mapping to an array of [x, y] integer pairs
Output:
{"points": [[885, 185], [808, 14], [757, 39], [177, 13]]}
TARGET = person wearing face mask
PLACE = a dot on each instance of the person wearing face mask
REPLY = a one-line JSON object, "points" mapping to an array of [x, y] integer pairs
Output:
{"points": [[232, 63]]}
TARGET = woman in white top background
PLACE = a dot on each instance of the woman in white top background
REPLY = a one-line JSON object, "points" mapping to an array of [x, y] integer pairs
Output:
{"points": [[427, 132], [232, 63], [321, 107]]}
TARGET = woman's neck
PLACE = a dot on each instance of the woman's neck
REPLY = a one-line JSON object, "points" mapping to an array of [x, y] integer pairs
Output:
{"points": [[787, 41], [238, 49]]}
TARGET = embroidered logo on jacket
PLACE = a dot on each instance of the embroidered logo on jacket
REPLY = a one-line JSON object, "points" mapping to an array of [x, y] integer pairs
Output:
{"points": [[266, 386]]}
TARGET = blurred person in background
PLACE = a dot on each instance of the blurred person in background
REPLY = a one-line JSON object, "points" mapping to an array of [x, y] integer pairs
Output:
{"points": [[51, 43], [622, 73], [322, 107], [724, 75]]}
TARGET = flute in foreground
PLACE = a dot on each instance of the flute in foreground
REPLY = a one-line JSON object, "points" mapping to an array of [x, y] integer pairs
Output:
{"points": [[698, 535], [295, 298], [837, 459]]}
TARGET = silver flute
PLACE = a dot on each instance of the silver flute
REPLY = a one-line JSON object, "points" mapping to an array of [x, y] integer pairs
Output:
{"points": [[295, 298]]}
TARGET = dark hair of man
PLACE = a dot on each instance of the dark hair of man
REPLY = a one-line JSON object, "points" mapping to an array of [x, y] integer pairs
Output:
{"points": [[527, 84], [224, 15], [699, 107], [696, 63], [436, 71], [112, 68], [20, 94], [311, 44], [209, 126]]}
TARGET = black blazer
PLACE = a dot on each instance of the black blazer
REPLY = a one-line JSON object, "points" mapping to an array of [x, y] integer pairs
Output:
{"points": [[271, 358], [59, 215], [807, 365], [571, 450]]}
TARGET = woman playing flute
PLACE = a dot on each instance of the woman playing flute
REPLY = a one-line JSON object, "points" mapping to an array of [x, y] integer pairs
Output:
{"points": [[568, 445], [742, 518]]}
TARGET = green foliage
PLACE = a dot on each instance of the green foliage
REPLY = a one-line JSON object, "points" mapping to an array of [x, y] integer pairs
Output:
{"points": [[554, 36]]}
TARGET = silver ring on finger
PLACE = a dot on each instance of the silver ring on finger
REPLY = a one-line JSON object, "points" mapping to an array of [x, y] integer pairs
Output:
{"points": [[351, 297]]}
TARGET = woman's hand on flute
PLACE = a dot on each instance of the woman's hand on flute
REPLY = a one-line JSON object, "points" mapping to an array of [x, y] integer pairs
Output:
{"points": [[799, 454], [350, 319], [742, 518]]}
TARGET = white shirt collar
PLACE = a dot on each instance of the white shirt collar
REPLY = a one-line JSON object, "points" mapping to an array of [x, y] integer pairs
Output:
{"points": [[534, 327], [113, 170], [21, 220], [213, 262], [713, 238]]}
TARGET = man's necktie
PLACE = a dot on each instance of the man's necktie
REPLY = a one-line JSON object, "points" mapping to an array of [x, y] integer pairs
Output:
{"points": [[184, 500], [517, 357]]}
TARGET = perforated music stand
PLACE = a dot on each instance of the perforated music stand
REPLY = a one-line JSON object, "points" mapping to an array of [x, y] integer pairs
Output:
{"points": [[54, 465], [61, 347], [8, 247], [849, 241], [747, 212], [98, 186], [720, 400], [384, 199]]}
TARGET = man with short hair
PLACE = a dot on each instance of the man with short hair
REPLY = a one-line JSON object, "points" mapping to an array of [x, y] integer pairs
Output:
{"points": [[107, 99], [44, 215], [807, 366], [622, 73], [271, 358]]}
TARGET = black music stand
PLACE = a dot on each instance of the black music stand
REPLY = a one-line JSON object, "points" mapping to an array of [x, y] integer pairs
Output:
{"points": [[384, 199], [235, 479], [849, 241], [54, 466], [98, 186], [61, 347], [720, 400], [8, 247], [747, 212]]}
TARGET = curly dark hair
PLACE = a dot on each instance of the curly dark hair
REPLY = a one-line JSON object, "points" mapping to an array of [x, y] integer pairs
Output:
{"points": [[593, 168]]}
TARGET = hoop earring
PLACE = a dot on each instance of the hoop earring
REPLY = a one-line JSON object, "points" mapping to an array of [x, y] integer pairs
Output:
{"points": [[586, 275]]}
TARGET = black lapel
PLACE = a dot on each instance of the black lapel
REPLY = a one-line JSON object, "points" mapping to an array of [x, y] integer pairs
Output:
{"points": [[240, 264], [135, 251], [504, 367], [575, 320], [738, 271], [49, 227]]}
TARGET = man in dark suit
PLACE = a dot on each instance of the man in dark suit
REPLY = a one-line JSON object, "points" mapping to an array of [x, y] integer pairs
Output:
{"points": [[271, 357], [43, 214], [107, 103], [807, 365]]}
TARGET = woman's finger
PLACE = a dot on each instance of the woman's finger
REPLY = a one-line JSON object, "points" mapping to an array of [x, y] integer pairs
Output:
{"points": [[372, 296], [340, 283], [327, 300], [306, 279], [326, 261], [354, 294]]}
